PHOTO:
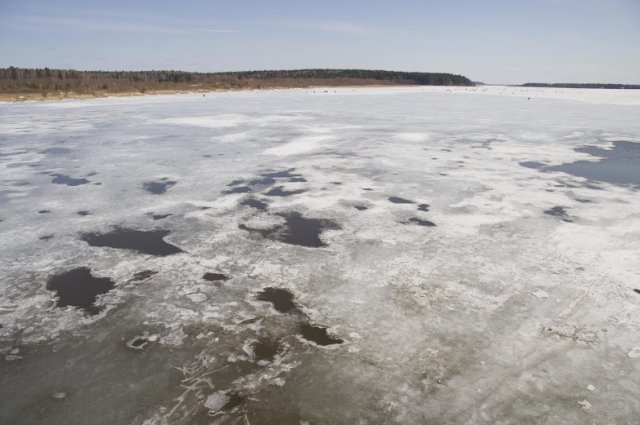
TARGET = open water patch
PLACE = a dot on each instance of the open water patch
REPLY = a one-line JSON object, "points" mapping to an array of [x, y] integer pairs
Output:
{"points": [[79, 288], [145, 241], [280, 191], [254, 203], [620, 165], [421, 222], [158, 187], [318, 335], [68, 180], [281, 299], [399, 200], [559, 212], [214, 277], [297, 230]]}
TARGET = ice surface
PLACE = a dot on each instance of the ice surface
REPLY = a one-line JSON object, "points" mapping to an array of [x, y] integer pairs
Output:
{"points": [[436, 258]]}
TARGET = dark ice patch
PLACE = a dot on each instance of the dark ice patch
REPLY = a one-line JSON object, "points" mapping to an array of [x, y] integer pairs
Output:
{"points": [[143, 275], [637, 291], [158, 187], [559, 212], [421, 222], [83, 213], [361, 207], [398, 200], [297, 230], [45, 237], [160, 216], [147, 242], [44, 211], [620, 165], [281, 299], [254, 203], [279, 191], [532, 164], [318, 334], [297, 180], [79, 288], [214, 277], [423, 207], [69, 181]]}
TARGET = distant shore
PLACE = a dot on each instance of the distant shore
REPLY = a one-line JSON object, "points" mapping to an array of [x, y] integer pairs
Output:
{"points": [[18, 84]]}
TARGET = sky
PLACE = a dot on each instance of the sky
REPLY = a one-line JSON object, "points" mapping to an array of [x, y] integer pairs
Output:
{"points": [[492, 41]]}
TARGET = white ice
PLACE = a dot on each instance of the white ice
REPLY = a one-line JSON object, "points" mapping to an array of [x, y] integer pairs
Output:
{"points": [[498, 314]]}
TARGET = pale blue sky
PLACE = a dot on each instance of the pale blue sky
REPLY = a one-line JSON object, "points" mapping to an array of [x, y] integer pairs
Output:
{"points": [[498, 41]]}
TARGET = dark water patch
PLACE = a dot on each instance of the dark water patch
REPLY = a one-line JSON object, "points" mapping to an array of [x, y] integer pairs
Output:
{"points": [[206, 156], [423, 207], [421, 222], [361, 207], [337, 183], [44, 211], [69, 181], [143, 275], [254, 203], [235, 400], [84, 213], [285, 174], [160, 216], [214, 277], [79, 288], [584, 201], [239, 189], [235, 183], [559, 212], [637, 291], [318, 334], [398, 200], [367, 189], [158, 187], [532, 164], [264, 181], [620, 165], [145, 241], [281, 299], [139, 342], [265, 349], [297, 230], [279, 191], [45, 237], [57, 151], [297, 180], [91, 174]]}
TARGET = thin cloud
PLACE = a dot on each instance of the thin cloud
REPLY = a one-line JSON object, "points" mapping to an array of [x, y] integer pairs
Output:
{"points": [[47, 23], [328, 26]]}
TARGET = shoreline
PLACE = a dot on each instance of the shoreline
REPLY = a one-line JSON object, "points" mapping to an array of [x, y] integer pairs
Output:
{"points": [[38, 97]]}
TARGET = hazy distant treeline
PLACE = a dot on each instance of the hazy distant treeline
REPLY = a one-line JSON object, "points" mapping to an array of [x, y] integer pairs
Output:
{"points": [[584, 86], [22, 80]]}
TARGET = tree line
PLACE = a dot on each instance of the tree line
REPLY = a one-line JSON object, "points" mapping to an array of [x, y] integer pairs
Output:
{"points": [[48, 81]]}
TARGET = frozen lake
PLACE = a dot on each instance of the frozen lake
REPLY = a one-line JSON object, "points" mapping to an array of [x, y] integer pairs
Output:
{"points": [[338, 256]]}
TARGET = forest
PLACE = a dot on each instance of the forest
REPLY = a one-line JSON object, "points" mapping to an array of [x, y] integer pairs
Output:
{"points": [[45, 82]]}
